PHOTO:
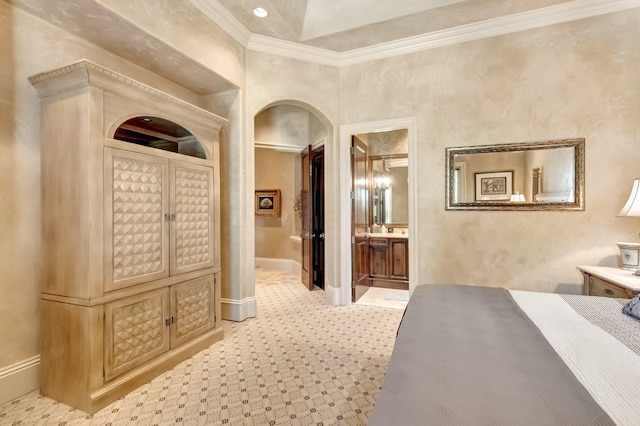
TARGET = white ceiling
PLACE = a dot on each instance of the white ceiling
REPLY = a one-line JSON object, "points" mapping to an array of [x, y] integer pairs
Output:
{"points": [[344, 25], [325, 17]]}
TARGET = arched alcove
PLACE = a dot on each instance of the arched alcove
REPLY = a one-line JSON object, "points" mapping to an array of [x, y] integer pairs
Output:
{"points": [[159, 133], [288, 127]]}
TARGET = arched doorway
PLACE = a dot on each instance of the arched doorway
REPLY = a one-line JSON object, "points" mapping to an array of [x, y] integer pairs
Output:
{"points": [[290, 140]]}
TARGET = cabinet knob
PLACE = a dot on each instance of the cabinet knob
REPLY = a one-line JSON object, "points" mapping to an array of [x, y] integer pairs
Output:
{"points": [[608, 291]]}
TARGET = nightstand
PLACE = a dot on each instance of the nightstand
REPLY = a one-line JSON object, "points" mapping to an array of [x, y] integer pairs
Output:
{"points": [[609, 282]]}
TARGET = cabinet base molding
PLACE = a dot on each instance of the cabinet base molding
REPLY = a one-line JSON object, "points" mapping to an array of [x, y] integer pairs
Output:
{"points": [[397, 285], [135, 378]]}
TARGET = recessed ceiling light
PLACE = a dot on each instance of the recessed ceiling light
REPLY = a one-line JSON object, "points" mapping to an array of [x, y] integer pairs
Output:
{"points": [[260, 12]]}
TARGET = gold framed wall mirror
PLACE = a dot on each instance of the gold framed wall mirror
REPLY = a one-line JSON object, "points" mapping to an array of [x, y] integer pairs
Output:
{"points": [[389, 190], [547, 175]]}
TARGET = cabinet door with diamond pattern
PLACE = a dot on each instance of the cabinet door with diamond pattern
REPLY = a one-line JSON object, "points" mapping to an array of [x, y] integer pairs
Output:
{"points": [[192, 233], [194, 310], [136, 330], [136, 229]]}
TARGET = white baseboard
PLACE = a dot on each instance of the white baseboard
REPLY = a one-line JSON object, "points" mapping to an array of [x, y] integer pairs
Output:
{"points": [[333, 295], [239, 310], [287, 265], [19, 378]]}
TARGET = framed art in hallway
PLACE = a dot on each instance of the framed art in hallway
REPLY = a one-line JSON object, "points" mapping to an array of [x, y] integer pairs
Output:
{"points": [[268, 202], [494, 186]]}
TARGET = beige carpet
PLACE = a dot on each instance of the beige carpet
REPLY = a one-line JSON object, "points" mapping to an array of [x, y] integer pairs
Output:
{"points": [[300, 362]]}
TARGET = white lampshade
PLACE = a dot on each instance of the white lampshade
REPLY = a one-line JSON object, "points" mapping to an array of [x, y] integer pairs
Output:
{"points": [[630, 252], [632, 208], [517, 198]]}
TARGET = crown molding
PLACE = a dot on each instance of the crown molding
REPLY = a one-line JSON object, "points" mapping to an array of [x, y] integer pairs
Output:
{"points": [[221, 16], [289, 49], [550, 15]]}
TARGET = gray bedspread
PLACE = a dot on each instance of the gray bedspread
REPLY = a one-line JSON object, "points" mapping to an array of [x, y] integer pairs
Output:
{"points": [[468, 355]]}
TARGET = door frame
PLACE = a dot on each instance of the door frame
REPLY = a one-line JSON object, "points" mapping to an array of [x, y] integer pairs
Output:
{"points": [[344, 163]]}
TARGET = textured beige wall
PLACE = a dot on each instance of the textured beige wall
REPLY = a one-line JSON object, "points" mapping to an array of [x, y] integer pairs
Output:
{"points": [[284, 124], [275, 170], [383, 143], [578, 79]]}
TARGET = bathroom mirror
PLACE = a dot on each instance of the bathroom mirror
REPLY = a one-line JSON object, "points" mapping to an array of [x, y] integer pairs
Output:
{"points": [[389, 190], [545, 175]]}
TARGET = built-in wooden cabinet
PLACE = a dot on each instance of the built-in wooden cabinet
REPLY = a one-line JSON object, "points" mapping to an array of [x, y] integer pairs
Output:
{"points": [[399, 259], [389, 262], [378, 254], [130, 233], [140, 327]]}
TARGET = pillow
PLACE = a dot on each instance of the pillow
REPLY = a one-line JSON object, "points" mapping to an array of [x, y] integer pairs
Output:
{"points": [[633, 307]]}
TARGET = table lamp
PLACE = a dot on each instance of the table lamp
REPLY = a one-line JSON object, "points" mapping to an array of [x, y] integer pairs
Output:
{"points": [[517, 198], [630, 252]]}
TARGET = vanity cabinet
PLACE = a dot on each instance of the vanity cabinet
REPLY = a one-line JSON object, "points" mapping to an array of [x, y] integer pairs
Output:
{"points": [[130, 232], [378, 255], [398, 259], [389, 262]]}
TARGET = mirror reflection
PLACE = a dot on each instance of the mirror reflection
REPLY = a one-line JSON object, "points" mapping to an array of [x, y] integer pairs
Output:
{"points": [[531, 176], [389, 189]]}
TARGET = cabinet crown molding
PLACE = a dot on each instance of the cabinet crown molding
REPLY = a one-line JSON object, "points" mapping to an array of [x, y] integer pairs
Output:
{"points": [[86, 73]]}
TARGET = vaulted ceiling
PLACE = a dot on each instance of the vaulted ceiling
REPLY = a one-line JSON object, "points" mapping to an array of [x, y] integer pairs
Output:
{"points": [[344, 25]]}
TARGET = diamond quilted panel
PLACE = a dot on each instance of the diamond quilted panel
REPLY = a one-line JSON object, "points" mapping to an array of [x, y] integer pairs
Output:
{"points": [[192, 306], [137, 218], [137, 330], [192, 217]]}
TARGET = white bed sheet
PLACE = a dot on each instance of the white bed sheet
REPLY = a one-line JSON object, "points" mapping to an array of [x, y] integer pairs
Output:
{"points": [[606, 367]]}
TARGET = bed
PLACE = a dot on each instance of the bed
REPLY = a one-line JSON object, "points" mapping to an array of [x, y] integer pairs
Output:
{"points": [[467, 355]]}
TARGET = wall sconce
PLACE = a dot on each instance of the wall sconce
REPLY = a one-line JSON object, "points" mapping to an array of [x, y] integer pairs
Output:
{"points": [[517, 198], [630, 252]]}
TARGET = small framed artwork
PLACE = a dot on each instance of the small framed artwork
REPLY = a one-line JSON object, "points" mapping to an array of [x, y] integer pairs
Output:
{"points": [[268, 202], [494, 186]]}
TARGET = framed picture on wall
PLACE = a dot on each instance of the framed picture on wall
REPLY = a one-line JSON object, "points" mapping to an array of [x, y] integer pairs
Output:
{"points": [[268, 202], [494, 186]]}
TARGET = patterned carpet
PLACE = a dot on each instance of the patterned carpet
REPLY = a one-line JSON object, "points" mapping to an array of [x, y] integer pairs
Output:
{"points": [[300, 362]]}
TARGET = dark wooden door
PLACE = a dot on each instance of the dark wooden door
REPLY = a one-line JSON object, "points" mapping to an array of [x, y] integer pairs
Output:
{"points": [[317, 217], [359, 219], [307, 202]]}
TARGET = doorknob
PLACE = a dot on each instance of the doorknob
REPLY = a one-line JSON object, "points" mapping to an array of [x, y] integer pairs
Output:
{"points": [[321, 236]]}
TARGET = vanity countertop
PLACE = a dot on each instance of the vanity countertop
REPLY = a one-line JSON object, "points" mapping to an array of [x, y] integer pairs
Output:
{"points": [[388, 235]]}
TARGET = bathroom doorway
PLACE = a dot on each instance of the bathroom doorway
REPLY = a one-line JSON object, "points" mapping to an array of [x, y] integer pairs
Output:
{"points": [[406, 232]]}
